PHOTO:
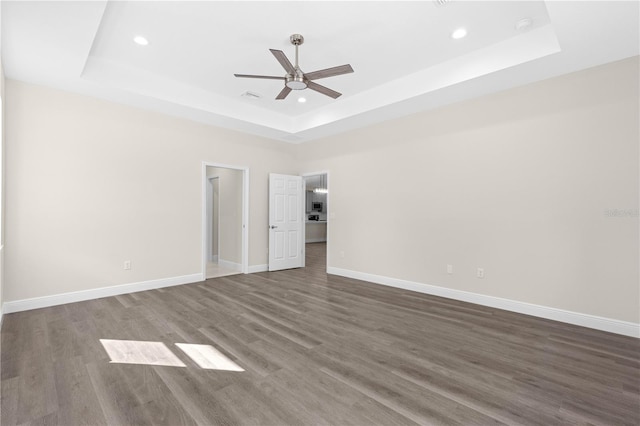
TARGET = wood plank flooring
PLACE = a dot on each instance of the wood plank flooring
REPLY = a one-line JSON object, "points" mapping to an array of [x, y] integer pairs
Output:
{"points": [[315, 350]]}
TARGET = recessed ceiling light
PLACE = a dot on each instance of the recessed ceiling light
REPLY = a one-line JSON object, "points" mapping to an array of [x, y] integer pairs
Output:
{"points": [[459, 33], [302, 100], [141, 40], [524, 24]]}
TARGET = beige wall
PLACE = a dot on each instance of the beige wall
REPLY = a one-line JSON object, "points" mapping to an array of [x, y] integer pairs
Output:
{"points": [[92, 183], [230, 213], [518, 183]]}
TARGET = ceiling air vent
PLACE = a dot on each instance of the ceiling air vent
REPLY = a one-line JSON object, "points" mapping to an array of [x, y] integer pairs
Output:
{"points": [[251, 95], [441, 2]]}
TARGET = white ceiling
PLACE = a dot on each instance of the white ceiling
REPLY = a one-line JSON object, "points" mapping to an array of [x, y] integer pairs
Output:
{"points": [[402, 53]]}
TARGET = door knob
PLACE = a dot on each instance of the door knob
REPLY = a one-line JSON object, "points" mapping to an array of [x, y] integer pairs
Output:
{"points": [[273, 227]]}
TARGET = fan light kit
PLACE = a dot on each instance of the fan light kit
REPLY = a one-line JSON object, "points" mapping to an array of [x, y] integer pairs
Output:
{"points": [[296, 79]]}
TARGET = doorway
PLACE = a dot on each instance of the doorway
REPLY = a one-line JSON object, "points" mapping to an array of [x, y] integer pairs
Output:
{"points": [[317, 215], [224, 220]]}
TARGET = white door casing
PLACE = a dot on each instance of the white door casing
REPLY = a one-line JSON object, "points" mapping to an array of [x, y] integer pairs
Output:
{"points": [[285, 222], [213, 204]]}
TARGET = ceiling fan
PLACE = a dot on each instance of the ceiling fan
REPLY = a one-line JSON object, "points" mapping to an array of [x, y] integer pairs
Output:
{"points": [[295, 79]]}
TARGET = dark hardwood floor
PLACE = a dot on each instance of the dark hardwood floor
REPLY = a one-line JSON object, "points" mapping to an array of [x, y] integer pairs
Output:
{"points": [[316, 349]]}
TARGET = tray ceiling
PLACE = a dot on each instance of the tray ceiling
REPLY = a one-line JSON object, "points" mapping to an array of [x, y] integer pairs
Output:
{"points": [[404, 57]]}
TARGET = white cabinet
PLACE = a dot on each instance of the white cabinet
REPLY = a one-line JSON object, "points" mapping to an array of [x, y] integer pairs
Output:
{"points": [[315, 197], [309, 201], [315, 232], [311, 197]]}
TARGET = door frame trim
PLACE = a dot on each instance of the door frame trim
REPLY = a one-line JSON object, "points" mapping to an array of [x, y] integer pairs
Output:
{"points": [[210, 180], [244, 266]]}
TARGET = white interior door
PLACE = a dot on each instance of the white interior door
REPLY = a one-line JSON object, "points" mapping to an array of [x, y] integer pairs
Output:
{"points": [[285, 222]]}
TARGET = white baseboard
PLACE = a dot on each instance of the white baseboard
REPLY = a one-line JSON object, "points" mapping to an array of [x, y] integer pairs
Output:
{"points": [[230, 265], [97, 293], [576, 318], [315, 240], [258, 268]]}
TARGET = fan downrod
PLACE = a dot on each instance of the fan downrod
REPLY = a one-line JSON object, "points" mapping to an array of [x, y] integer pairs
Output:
{"points": [[297, 80]]}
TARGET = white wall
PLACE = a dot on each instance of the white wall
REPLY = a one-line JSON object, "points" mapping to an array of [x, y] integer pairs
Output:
{"points": [[92, 183], [519, 183]]}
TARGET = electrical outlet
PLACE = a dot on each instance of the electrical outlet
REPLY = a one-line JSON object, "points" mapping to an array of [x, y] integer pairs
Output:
{"points": [[342, 254], [127, 265], [480, 273], [449, 269]]}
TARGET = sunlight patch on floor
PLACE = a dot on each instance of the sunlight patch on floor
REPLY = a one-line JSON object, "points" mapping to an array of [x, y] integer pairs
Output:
{"points": [[208, 357], [139, 352], [157, 353]]}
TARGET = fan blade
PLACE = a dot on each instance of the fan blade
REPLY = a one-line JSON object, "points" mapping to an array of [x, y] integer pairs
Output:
{"points": [[269, 77], [324, 90], [282, 58], [329, 72], [283, 94]]}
